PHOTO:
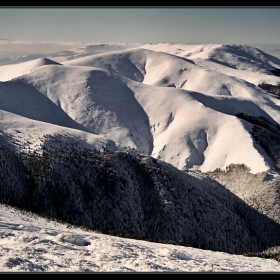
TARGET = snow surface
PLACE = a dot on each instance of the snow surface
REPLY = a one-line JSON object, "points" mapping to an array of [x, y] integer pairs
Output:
{"points": [[29, 243]]}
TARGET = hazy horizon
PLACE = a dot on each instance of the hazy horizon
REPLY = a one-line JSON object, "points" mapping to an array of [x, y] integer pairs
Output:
{"points": [[188, 25]]}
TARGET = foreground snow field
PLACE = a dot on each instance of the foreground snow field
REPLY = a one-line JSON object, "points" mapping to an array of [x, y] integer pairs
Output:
{"points": [[29, 243]]}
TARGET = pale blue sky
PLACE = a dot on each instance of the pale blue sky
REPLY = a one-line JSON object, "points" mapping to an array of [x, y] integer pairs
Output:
{"points": [[240, 25]]}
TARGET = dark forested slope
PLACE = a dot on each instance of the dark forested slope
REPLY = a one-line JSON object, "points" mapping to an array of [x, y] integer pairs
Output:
{"points": [[133, 195]]}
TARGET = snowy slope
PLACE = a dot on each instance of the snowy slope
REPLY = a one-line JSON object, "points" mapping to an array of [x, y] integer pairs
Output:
{"points": [[30, 243], [11, 71]]}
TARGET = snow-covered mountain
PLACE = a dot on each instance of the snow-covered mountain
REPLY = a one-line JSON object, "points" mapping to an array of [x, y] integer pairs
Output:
{"points": [[175, 102]]}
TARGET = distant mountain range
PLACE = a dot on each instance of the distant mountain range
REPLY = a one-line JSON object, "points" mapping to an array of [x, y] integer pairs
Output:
{"points": [[13, 53]]}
